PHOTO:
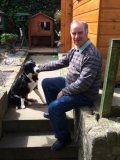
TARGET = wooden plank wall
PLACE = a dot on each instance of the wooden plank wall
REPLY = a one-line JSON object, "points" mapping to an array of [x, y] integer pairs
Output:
{"points": [[66, 16], [103, 18], [88, 10], [109, 27]]}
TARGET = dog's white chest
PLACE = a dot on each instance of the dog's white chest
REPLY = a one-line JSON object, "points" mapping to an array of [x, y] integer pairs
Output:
{"points": [[32, 85]]}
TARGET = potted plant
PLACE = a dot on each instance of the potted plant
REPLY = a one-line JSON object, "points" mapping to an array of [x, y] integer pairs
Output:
{"points": [[9, 40]]}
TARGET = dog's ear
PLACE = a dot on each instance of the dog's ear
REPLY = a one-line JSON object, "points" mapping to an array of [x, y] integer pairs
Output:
{"points": [[23, 65], [30, 59]]}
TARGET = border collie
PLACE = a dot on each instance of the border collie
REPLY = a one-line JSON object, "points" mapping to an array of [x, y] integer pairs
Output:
{"points": [[24, 84]]}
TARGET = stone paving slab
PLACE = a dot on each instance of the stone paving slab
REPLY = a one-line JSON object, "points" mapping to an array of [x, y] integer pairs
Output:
{"points": [[13, 59], [35, 111], [14, 70], [36, 139], [34, 145]]}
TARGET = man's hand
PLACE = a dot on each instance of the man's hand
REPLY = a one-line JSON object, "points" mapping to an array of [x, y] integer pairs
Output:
{"points": [[60, 94]]}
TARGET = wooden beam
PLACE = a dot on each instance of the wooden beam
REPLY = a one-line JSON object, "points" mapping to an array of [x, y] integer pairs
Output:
{"points": [[110, 77]]}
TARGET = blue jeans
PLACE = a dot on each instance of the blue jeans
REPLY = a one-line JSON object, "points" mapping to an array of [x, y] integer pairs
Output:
{"points": [[58, 107]]}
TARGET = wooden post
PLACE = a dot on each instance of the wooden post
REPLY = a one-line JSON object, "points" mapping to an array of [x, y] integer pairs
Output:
{"points": [[66, 17], [110, 78]]}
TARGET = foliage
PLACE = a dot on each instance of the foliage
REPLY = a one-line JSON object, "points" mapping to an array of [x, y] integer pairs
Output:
{"points": [[9, 40], [11, 7], [57, 15]]}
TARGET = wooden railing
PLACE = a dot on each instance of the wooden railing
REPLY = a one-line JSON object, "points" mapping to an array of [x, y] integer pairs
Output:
{"points": [[106, 108]]}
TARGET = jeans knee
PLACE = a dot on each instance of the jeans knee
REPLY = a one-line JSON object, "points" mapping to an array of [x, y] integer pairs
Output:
{"points": [[51, 107], [54, 107], [44, 82]]}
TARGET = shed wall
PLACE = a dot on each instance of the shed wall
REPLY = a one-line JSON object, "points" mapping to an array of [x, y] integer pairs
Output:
{"points": [[88, 10], [109, 27], [103, 18]]}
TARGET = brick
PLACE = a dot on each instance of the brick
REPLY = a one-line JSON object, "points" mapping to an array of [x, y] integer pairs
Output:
{"points": [[0, 128], [110, 131], [7, 88], [3, 103], [89, 124], [118, 158], [109, 150], [104, 157], [98, 150], [116, 150], [9, 82], [85, 111], [97, 136], [116, 123], [76, 115]]}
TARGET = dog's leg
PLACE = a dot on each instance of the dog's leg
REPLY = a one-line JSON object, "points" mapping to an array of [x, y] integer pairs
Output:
{"points": [[40, 96], [22, 103], [28, 101], [15, 99]]}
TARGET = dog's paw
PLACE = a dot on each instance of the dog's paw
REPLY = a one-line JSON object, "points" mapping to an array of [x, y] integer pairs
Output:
{"points": [[22, 106], [29, 103], [43, 101], [17, 107]]}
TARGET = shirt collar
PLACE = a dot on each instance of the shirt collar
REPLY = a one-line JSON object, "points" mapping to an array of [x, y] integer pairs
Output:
{"points": [[83, 46]]}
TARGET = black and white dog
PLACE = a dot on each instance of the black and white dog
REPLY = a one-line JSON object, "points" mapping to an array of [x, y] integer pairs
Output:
{"points": [[24, 84]]}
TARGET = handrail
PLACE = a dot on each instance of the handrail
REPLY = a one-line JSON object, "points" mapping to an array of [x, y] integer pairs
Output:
{"points": [[110, 79]]}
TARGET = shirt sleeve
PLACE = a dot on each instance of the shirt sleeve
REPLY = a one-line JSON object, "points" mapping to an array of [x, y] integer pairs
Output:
{"points": [[57, 64]]}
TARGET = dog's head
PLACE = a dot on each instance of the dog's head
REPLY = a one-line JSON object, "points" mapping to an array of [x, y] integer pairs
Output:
{"points": [[30, 67]]}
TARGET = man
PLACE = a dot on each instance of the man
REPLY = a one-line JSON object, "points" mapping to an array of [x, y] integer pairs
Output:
{"points": [[79, 88]]}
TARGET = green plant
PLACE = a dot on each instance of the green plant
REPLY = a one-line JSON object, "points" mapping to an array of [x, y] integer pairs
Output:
{"points": [[57, 15], [9, 40], [11, 7]]}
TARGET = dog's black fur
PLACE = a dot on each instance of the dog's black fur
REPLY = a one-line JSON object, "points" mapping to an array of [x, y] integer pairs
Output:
{"points": [[24, 84]]}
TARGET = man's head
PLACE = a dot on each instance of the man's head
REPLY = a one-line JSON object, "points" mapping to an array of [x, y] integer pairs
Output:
{"points": [[79, 32]]}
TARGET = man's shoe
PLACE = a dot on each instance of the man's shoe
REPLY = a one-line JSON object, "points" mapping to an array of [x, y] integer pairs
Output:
{"points": [[46, 115], [61, 143]]}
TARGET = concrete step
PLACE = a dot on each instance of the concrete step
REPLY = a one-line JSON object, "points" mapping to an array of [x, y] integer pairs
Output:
{"points": [[27, 135], [30, 119], [34, 146]]}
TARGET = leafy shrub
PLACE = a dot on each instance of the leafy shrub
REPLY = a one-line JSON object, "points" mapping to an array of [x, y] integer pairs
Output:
{"points": [[9, 40]]}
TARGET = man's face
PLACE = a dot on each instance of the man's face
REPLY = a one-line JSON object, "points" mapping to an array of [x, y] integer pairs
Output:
{"points": [[78, 34]]}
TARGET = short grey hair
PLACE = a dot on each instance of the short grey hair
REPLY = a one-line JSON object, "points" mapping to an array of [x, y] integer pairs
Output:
{"points": [[80, 21]]}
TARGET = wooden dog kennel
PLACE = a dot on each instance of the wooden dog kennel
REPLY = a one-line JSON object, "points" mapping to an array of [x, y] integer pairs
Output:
{"points": [[40, 30]]}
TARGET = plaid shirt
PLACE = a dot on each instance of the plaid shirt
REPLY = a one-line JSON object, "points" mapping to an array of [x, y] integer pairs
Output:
{"points": [[84, 75]]}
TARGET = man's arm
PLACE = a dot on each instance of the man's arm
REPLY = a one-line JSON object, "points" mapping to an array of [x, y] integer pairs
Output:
{"points": [[90, 69], [57, 64]]}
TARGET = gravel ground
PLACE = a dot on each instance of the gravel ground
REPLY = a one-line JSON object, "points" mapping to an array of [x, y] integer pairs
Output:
{"points": [[11, 59], [8, 60]]}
